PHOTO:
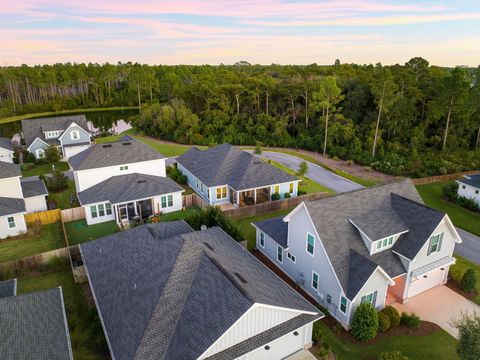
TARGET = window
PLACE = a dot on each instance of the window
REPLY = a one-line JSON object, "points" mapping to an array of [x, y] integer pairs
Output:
{"points": [[276, 189], [292, 257], [222, 192], [477, 191], [164, 201], [314, 280], [463, 186], [170, 200], [108, 208], [198, 184], [384, 243], [75, 135], [40, 153], [379, 244], [262, 239], [201, 188], [329, 299], [310, 243], [292, 185], [343, 305], [93, 211], [11, 222], [370, 298], [279, 253], [390, 240], [125, 167], [101, 210], [435, 243]]}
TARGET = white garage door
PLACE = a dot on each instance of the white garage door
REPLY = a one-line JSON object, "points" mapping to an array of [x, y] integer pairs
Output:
{"points": [[74, 150], [425, 282]]}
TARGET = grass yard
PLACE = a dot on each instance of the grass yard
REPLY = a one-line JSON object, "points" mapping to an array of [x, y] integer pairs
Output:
{"points": [[86, 333], [45, 238], [460, 267], [465, 219], [43, 169], [179, 215], [79, 232], [307, 185], [62, 198], [439, 346]]}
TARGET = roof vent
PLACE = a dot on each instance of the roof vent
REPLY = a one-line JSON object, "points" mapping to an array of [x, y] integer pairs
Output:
{"points": [[208, 246], [203, 227], [240, 278], [256, 161], [141, 181], [107, 146], [127, 143]]}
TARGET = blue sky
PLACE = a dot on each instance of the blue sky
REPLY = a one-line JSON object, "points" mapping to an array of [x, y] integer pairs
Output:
{"points": [[213, 32]]}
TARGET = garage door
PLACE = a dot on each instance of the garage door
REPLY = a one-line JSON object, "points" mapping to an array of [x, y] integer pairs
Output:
{"points": [[425, 282], [74, 150]]}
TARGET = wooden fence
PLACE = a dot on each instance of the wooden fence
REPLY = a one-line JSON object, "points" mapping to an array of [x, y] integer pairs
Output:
{"points": [[193, 200], [32, 262], [260, 209], [448, 177], [73, 214], [43, 217]]}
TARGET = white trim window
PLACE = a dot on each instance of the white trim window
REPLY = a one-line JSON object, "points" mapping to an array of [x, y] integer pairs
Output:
{"points": [[435, 243], [343, 304], [11, 222], [93, 211], [167, 201], [124, 167], [221, 192], [40, 153], [276, 189], [369, 298], [75, 135], [198, 184], [291, 257], [100, 210], [315, 280], [310, 244], [279, 254], [291, 187], [384, 243], [262, 239]]}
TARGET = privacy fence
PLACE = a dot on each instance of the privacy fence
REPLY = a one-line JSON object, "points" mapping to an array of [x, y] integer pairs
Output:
{"points": [[43, 217], [448, 177], [193, 200]]}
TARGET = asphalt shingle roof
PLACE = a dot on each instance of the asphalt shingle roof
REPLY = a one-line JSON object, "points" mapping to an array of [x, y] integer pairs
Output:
{"points": [[380, 223], [34, 326], [10, 206], [8, 170], [33, 128], [6, 143], [8, 288], [157, 295], [33, 187], [226, 165], [276, 228], [123, 188], [472, 180], [114, 153]]}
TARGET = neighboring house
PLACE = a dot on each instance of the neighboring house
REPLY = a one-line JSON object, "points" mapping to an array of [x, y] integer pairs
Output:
{"points": [[376, 245], [164, 291], [33, 325], [225, 174], [6, 150], [35, 194], [469, 187], [68, 133], [126, 197]]}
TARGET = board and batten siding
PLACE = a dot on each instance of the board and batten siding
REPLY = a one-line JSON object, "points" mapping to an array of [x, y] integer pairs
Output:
{"points": [[20, 227], [11, 187], [470, 192], [35, 145], [256, 320], [66, 138]]}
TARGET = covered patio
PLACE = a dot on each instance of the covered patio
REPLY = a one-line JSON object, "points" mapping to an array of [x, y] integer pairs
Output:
{"points": [[134, 210], [253, 196]]}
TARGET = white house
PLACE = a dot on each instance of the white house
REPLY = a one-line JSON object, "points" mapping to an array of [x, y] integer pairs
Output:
{"points": [[224, 174], [122, 181], [68, 133], [164, 291], [6, 150], [469, 187], [377, 245]]}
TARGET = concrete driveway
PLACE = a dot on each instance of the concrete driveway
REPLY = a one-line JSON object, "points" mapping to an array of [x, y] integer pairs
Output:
{"points": [[439, 305]]}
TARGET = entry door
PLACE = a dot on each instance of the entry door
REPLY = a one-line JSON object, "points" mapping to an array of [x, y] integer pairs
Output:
{"points": [[122, 209]]}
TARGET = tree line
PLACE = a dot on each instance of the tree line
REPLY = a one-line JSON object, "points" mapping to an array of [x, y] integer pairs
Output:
{"points": [[412, 119]]}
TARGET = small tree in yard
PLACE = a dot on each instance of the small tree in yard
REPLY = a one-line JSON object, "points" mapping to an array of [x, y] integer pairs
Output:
{"points": [[56, 182], [469, 280], [365, 322], [302, 169], [258, 148], [51, 154], [468, 326]]}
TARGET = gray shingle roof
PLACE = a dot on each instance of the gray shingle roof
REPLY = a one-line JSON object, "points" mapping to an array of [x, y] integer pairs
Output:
{"points": [[472, 180], [9, 170], [8, 288], [114, 153], [360, 271], [226, 165], [33, 187], [123, 188], [380, 223], [331, 219], [157, 295], [9, 206], [33, 128], [276, 228], [6, 143], [34, 326]]}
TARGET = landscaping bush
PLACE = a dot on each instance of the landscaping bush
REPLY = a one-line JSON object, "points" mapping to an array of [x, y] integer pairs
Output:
{"points": [[301, 192], [213, 216], [258, 148], [469, 280], [365, 322], [392, 314], [275, 197], [28, 157], [383, 322], [449, 191], [176, 175], [27, 166], [324, 351], [51, 154], [393, 355], [319, 334], [466, 203], [412, 320], [287, 195], [302, 169], [468, 326], [57, 182]]}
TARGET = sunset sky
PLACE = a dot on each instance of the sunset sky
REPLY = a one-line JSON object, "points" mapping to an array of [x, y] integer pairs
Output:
{"points": [[213, 32]]}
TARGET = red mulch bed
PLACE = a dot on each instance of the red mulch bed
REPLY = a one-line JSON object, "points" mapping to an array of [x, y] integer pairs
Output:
{"points": [[452, 284]]}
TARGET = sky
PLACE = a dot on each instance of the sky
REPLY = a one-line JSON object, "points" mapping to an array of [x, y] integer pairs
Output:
{"points": [[446, 33]]}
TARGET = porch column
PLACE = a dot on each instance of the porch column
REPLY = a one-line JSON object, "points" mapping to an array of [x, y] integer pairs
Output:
{"points": [[254, 196]]}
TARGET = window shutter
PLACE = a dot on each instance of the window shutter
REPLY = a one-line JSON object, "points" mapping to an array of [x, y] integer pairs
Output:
{"points": [[374, 300], [440, 242], [429, 247]]}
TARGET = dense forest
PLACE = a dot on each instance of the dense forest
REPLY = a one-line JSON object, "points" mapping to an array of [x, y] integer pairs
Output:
{"points": [[412, 119]]}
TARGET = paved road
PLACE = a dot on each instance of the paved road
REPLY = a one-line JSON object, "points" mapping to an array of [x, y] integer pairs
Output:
{"points": [[470, 247]]}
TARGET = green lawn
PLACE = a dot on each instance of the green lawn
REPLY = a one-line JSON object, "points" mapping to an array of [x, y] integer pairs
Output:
{"points": [[460, 267], [307, 185], [47, 237], [86, 333], [439, 346], [465, 219], [62, 112], [46, 169], [179, 215], [79, 232], [62, 198]]}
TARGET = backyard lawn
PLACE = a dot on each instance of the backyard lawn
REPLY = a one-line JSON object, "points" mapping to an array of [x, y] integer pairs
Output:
{"points": [[460, 267], [46, 238], [43, 169], [86, 332], [79, 232], [179, 215], [62, 198], [465, 219]]}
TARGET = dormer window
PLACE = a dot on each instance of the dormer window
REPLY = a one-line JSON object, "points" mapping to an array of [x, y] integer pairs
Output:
{"points": [[384, 243]]}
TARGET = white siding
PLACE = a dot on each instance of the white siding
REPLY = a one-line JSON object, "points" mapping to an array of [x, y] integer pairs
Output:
{"points": [[35, 204], [470, 192], [99, 219], [69, 151], [177, 203], [6, 155], [20, 228], [10, 187]]}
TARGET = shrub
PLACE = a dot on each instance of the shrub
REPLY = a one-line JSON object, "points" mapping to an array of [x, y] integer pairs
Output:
{"points": [[324, 351], [383, 322], [392, 355], [213, 216], [51, 154], [467, 203], [302, 169], [287, 195], [469, 280], [301, 192], [365, 322], [258, 148], [27, 166], [176, 175], [392, 314], [56, 182], [449, 191], [349, 162], [319, 334], [412, 320], [28, 157], [468, 336], [275, 196]]}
